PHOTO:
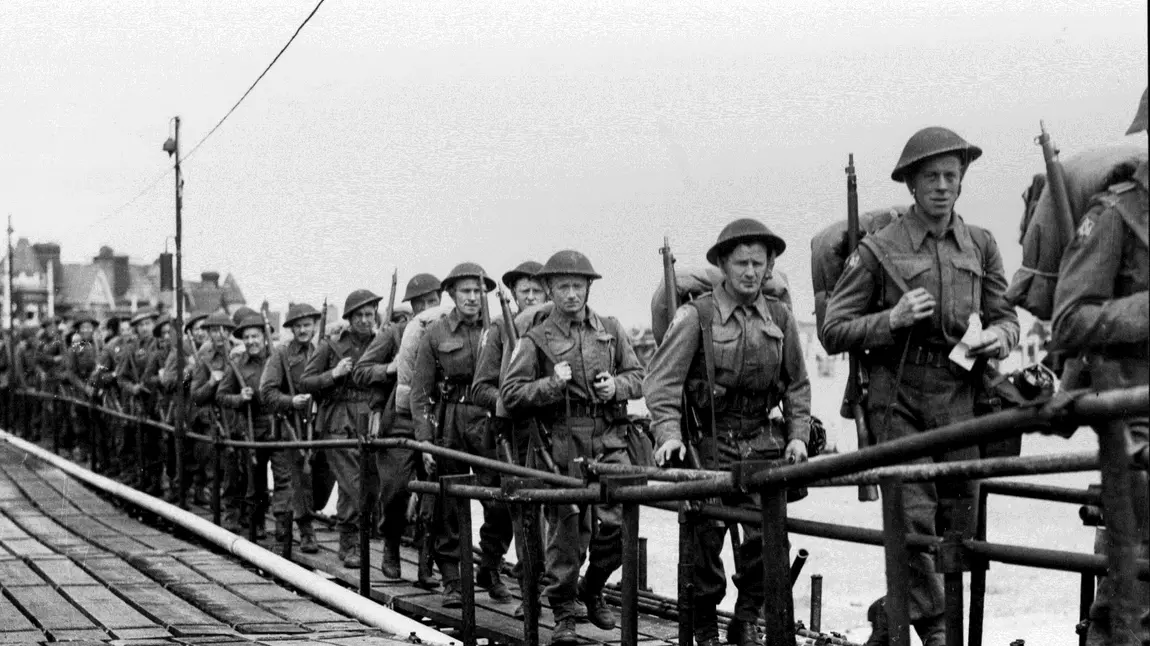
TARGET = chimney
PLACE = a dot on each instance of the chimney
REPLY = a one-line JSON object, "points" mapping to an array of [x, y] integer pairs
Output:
{"points": [[121, 278], [48, 258], [211, 278]]}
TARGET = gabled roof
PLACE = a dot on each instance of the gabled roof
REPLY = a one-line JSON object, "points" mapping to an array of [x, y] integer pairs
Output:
{"points": [[84, 286]]}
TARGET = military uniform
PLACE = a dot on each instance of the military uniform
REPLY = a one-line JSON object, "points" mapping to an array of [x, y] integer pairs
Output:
{"points": [[250, 487], [140, 402], [962, 270], [343, 413], [79, 364], [758, 364], [51, 360], [595, 429], [1101, 312], [293, 486]]}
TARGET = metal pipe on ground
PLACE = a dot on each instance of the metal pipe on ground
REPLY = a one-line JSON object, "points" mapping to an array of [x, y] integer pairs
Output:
{"points": [[336, 596], [1043, 492]]}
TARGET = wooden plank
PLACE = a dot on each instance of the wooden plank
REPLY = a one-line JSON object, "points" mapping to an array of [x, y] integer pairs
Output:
{"points": [[165, 543], [86, 526], [128, 526], [303, 611], [163, 607], [62, 572], [113, 571], [12, 620], [261, 592], [10, 530], [121, 545], [164, 569], [140, 635], [49, 608], [27, 547], [28, 638], [223, 605], [106, 608], [14, 572]]}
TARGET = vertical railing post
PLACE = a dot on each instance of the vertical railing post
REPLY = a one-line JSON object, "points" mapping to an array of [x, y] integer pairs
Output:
{"points": [[643, 565], [141, 473], [687, 522], [217, 477], [817, 603], [778, 613], [366, 462], [462, 510], [978, 568], [629, 631], [897, 563], [252, 460], [1085, 601], [528, 537], [52, 419], [950, 563]]}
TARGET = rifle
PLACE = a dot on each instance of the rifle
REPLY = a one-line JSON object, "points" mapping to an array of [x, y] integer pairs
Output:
{"points": [[313, 412], [251, 435], [291, 435], [857, 383], [671, 297], [484, 314], [1056, 183], [391, 297]]}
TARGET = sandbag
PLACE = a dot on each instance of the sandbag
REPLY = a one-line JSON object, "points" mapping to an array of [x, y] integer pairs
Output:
{"points": [[1087, 173], [829, 254], [693, 282]]}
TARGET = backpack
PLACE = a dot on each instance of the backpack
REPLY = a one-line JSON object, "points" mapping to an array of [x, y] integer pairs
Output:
{"points": [[694, 282], [1087, 174], [829, 255]]}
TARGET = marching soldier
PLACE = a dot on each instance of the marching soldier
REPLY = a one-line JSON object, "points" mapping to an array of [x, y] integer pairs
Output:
{"points": [[79, 363], [574, 373], [196, 455], [444, 413], [210, 367], [28, 377], [757, 364], [1100, 312], [163, 349], [906, 297], [240, 392], [344, 410], [130, 375], [107, 391], [280, 391], [50, 356]]}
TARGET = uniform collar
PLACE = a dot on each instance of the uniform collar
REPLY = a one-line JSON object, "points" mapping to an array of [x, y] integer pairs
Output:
{"points": [[455, 319], [916, 228], [564, 323], [296, 346], [726, 303]]}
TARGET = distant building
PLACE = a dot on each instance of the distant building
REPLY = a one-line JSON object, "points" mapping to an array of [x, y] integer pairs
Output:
{"points": [[108, 285]]}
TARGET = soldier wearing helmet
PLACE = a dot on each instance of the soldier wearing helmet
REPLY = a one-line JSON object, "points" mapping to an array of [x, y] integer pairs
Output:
{"points": [[79, 362], [344, 410], [1100, 314], [445, 413], [906, 297], [211, 362], [139, 399], [377, 370], [757, 365], [574, 373]]}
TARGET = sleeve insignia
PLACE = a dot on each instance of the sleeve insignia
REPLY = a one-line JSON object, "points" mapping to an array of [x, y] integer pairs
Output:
{"points": [[483, 338], [1085, 228], [853, 261]]}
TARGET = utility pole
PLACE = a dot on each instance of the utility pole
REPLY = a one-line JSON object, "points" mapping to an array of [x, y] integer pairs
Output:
{"points": [[172, 147], [10, 302]]}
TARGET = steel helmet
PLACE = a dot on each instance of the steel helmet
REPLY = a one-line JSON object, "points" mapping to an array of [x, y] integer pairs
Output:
{"points": [[143, 314], [932, 142], [241, 313], [568, 263], [299, 311], [357, 299], [467, 270], [192, 319], [219, 319], [419, 285], [160, 323], [1140, 117], [526, 269], [84, 317], [252, 320], [744, 230]]}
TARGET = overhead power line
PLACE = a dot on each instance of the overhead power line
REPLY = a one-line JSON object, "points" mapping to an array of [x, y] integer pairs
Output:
{"points": [[151, 185]]}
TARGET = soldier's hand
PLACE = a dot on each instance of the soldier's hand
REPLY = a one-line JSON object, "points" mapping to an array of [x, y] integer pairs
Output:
{"points": [[246, 393], [563, 372], [914, 306], [604, 386], [217, 376], [796, 451], [393, 368], [989, 345], [341, 368], [669, 450], [429, 464], [237, 352], [301, 401]]}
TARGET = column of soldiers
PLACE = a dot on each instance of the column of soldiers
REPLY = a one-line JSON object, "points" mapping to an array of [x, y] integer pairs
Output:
{"points": [[549, 388]]}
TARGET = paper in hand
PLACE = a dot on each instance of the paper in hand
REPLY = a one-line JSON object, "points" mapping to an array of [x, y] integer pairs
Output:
{"points": [[972, 336]]}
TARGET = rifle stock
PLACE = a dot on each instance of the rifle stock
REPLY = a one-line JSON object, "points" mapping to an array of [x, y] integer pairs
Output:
{"points": [[856, 385], [391, 296], [251, 434], [291, 431], [1056, 182], [690, 437]]}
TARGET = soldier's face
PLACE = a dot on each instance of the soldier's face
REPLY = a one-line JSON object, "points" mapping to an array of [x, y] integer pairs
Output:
{"points": [[303, 330], [144, 328], [86, 331], [362, 320], [466, 293], [165, 335], [935, 185], [528, 292], [424, 302], [746, 268], [218, 334], [570, 293], [125, 328], [253, 340], [199, 333]]}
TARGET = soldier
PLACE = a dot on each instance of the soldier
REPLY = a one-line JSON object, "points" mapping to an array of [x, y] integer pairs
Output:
{"points": [[196, 455], [757, 364], [163, 350], [138, 399], [280, 391], [906, 297], [574, 373], [239, 390], [29, 376], [377, 370], [50, 358], [444, 413], [107, 393], [344, 411], [79, 363], [1100, 313]]}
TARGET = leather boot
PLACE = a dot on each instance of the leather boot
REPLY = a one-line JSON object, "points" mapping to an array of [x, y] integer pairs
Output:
{"points": [[489, 580], [564, 633], [742, 633], [706, 622], [307, 543], [591, 594], [876, 615], [451, 596], [349, 549], [931, 630], [283, 529], [261, 526], [390, 562]]}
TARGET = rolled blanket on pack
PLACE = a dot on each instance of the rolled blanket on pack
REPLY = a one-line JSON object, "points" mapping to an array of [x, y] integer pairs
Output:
{"points": [[693, 282]]}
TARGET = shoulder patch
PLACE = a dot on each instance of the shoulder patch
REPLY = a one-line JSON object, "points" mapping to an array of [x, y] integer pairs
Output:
{"points": [[853, 260], [1085, 228]]}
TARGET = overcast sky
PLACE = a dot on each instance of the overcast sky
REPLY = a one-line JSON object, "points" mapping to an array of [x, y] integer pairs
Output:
{"points": [[422, 134]]}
